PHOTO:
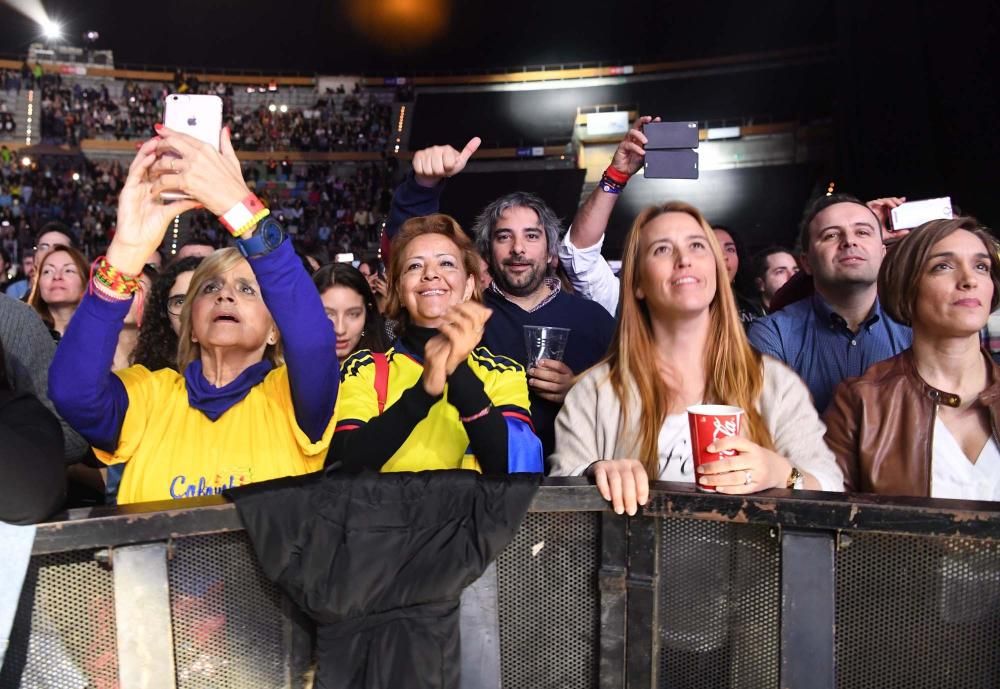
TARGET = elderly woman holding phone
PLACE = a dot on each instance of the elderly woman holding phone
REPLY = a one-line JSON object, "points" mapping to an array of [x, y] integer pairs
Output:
{"points": [[678, 343], [258, 377]]}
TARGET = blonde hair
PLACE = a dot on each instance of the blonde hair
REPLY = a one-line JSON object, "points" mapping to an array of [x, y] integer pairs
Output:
{"points": [[214, 265], [734, 370]]}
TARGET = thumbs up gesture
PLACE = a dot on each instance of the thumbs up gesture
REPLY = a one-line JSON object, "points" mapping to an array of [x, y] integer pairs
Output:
{"points": [[433, 164]]}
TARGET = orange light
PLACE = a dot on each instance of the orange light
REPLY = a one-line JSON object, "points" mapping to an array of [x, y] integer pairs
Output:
{"points": [[400, 25]]}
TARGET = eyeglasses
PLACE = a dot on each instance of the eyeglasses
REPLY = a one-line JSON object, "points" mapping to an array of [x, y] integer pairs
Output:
{"points": [[175, 304]]}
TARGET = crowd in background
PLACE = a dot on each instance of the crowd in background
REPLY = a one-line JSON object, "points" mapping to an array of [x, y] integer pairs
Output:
{"points": [[328, 210], [72, 112]]}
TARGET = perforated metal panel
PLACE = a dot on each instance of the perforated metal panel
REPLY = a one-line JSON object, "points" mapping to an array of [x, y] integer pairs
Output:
{"points": [[548, 602], [719, 605], [915, 611], [229, 628], [67, 606]]}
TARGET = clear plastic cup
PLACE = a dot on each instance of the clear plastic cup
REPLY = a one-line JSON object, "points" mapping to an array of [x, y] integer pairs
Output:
{"points": [[545, 342]]}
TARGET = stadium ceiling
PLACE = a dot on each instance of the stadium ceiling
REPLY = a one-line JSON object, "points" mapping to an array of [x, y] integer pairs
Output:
{"points": [[413, 36]]}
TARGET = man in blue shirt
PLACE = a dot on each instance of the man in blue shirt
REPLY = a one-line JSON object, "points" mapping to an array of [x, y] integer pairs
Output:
{"points": [[840, 330], [518, 236]]}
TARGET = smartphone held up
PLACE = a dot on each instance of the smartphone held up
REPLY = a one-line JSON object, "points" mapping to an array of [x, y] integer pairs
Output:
{"points": [[198, 116], [913, 214], [670, 150]]}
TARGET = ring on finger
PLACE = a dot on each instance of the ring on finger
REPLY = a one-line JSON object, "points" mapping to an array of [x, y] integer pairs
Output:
{"points": [[749, 478]]}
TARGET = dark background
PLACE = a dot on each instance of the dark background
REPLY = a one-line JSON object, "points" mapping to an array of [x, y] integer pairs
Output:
{"points": [[790, 92], [330, 37], [911, 87]]}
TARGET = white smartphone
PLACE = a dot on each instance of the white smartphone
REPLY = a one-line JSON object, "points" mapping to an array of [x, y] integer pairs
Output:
{"points": [[915, 213], [194, 115]]}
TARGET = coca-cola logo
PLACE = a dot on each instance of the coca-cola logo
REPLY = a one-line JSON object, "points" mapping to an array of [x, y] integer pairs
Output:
{"points": [[724, 429]]}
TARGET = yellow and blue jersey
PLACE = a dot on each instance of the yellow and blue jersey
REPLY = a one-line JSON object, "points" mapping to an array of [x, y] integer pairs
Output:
{"points": [[439, 440]]}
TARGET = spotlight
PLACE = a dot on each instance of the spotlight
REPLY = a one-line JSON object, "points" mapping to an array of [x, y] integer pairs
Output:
{"points": [[52, 30], [283, 108], [76, 176], [272, 107], [91, 36], [26, 161]]}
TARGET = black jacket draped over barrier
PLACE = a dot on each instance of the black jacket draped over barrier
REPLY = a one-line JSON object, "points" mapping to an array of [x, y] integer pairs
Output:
{"points": [[379, 561]]}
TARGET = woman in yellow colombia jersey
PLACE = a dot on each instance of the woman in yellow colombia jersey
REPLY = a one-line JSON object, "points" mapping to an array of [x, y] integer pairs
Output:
{"points": [[437, 400]]}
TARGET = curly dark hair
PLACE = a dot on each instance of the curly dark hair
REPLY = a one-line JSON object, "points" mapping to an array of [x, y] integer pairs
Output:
{"points": [[344, 274], [157, 345]]}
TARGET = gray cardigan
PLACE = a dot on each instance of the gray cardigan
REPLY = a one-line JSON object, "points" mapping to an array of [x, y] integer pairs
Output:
{"points": [[28, 349], [587, 428]]}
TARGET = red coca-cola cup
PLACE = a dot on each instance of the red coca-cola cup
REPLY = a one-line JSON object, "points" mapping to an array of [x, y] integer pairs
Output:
{"points": [[710, 422]]}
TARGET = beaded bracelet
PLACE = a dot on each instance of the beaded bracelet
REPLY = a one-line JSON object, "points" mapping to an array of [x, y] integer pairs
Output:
{"points": [[613, 181], [609, 186], [111, 283], [478, 415]]}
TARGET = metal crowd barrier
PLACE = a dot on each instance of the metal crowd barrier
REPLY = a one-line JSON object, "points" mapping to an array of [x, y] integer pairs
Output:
{"points": [[779, 589]]}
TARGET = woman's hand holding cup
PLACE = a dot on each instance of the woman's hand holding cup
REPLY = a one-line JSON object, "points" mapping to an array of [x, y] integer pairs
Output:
{"points": [[749, 468]]}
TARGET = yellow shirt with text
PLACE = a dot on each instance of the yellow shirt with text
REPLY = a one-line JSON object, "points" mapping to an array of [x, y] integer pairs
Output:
{"points": [[173, 450]]}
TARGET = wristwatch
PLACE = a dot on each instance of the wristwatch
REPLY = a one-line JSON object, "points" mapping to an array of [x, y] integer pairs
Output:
{"points": [[266, 238], [795, 479]]}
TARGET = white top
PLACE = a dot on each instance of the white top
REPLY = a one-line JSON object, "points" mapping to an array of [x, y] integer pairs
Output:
{"points": [[674, 444], [954, 476], [589, 428], [590, 274]]}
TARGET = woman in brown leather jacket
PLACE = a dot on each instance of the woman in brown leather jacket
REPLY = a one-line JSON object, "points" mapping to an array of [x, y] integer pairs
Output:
{"points": [[927, 422]]}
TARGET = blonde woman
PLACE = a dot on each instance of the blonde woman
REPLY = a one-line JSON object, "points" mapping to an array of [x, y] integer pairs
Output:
{"points": [[257, 378], [679, 342]]}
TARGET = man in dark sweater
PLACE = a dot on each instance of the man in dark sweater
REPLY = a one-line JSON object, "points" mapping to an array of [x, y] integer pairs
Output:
{"points": [[518, 236]]}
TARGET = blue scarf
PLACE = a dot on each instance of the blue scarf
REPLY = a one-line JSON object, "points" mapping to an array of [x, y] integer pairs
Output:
{"points": [[213, 402]]}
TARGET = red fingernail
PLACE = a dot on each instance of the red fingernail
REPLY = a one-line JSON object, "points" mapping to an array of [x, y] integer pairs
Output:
{"points": [[157, 126], [138, 146]]}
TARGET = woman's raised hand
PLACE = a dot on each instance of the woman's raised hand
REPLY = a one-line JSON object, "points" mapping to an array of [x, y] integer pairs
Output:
{"points": [[143, 218], [194, 167]]}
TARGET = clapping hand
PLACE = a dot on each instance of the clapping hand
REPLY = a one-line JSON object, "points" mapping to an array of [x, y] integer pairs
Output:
{"points": [[461, 332]]}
